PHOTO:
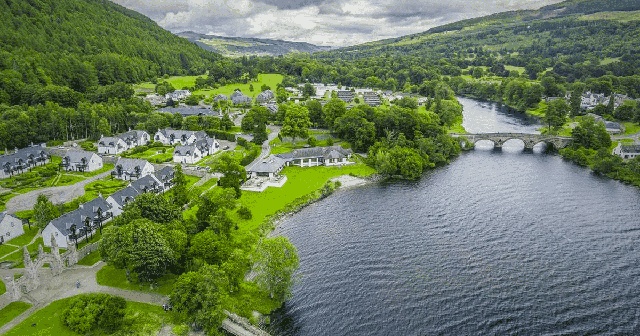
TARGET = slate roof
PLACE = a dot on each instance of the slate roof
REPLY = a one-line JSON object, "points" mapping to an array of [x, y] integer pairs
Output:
{"points": [[332, 152], [630, 148], [22, 154], [184, 150], [238, 97], [270, 164], [128, 165], [108, 141], [76, 156], [166, 173], [122, 195], [146, 183], [190, 111], [265, 96], [77, 217], [220, 97], [176, 133]]}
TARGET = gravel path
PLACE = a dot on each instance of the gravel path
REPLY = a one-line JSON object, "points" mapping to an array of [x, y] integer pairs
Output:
{"points": [[266, 148], [55, 194]]}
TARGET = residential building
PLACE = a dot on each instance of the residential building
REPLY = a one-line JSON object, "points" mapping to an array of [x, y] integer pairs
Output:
{"points": [[166, 175], [120, 198], [191, 111], [21, 160], [627, 151], [79, 223], [129, 169], [10, 227], [239, 98], [265, 97], [82, 161], [178, 95], [173, 137], [268, 167], [111, 145], [147, 184], [187, 154], [220, 97], [346, 96], [371, 99], [318, 156], [156, 100]]}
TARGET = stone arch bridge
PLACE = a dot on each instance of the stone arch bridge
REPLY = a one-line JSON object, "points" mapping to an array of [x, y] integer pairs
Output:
{"points": [[529, 140]]}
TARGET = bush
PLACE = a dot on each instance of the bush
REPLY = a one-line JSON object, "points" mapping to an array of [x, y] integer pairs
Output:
{"points": [[244, 212], [253, 154], [330, 142], [90, 311], [54, 143], [242, 142], [312, 141]]}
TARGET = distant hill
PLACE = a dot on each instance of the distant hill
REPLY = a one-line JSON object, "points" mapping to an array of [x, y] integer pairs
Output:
{"points": [[239, 46], [83, 43]]}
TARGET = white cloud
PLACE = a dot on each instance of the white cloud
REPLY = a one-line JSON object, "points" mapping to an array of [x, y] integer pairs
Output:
{"points": [[323, 22]]}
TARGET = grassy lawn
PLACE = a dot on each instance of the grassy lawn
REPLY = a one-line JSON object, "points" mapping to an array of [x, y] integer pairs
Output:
{"points": [[269, 79], [539, 111], [26, 237], [90, 259], [64, 180], [301, 181], [106, 187], [105, 167], [12, 310], [630, 128], [3, 289], [112, 277], [140, 319], [6, 249], [278, 146]]}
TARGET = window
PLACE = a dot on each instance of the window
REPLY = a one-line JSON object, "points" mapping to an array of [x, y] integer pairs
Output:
{"points": [[56, 234], [13, 224], [8, 234]]}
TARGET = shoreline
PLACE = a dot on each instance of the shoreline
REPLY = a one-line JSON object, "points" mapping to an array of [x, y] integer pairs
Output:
{"points": [[346, 182]]}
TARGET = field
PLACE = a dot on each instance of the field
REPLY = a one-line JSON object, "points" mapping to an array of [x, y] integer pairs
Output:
{"points": [[271, 80], [112, 277], [616, 16], [140, 319]]}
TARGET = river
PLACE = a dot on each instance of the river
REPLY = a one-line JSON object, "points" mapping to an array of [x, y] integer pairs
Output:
{"points": [[498, 242]]}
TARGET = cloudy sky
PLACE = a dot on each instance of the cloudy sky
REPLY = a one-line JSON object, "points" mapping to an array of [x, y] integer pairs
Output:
{"points": [[320, 22]]}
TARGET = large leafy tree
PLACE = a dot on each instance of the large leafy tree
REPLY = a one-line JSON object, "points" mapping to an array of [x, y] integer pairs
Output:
{"points": [[180, 193], [556, 113], [197, 297], [296, 122], [139, 247], [233, 173], [334, 109], [276, 262], [44, 211], [86, 312], [589, 134]]}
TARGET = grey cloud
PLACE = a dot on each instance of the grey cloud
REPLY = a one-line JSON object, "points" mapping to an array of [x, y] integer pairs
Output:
{"points": [[293, 4]]}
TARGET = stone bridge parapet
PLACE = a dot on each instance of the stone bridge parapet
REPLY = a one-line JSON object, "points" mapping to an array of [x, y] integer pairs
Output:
{"points": [[529, 140]]}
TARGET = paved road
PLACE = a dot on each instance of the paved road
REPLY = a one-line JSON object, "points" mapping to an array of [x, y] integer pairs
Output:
{"points": [[628, 136], [64, 286], [266, 148], [55, 194]]}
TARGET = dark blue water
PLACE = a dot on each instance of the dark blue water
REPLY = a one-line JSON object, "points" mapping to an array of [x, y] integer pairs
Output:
{"points": [[496, 243]]}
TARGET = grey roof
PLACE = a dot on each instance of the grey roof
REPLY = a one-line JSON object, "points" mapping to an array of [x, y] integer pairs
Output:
{"points": [[76, 156], [184, 150], [108, 141], [271, 164], [190, 111], [331, 152], [122, 196], [5, 214], [77, 217], [128, 165], [238, 97], [630, 148], [165, 173], [611, 125], [265, 95], [176, 133], [145, 184], [134, 135], [22, 154]]}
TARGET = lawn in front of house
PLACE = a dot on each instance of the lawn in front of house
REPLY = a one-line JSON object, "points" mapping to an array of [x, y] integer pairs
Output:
{"points": [[630, 128], [12, 310], [113, 277], [140, 319]]}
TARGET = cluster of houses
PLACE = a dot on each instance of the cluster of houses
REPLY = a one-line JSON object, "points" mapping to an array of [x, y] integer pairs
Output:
{"points": [[191, 147], [122, 142], [21, 160], [78, 224], [589, 100], [176, 96]]}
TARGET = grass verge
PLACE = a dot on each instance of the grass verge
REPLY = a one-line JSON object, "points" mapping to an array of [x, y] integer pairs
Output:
{"points": [[90, 259], [12, 310], [113, 277]]}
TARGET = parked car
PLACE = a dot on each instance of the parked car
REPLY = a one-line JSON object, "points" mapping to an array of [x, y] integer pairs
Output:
{"points": [[225, 147]]}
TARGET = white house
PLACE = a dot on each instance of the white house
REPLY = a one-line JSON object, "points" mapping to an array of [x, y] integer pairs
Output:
{"points": [[147, 184], [317, 156], [78, 224], [178, 95], [627, 151], [120, 198], [135, 138], [166, 175], [83, 161], [268, 167], [187, 154], [173, 137], [21, 160], [128, 169], [111, 145], [10, 227]]}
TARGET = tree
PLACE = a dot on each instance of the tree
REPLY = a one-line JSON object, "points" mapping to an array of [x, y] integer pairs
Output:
{"points": [[44, 211], [210, 247], [180, 193], [333, 110], [296, 122], [354, 127], [153, 207], [138, 247], [308, 90], [576, 99], [589, 134], [276, 262], [627, 111], [97, 310], [556, 113], [212, 205], [234, 174], [197, 297], [315, 112]]}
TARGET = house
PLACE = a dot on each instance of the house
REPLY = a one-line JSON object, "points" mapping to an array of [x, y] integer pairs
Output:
{"points": [[208, 146], [21, 160], [120, 198], [10, 227], [627, 151], [128, 169], [269, 167], [316, 156], [122, 142], [612, 127], [78, 224], [111, 145], [265, 96], [187, 154], [156, 100], [178, 95], [346, 96], [273, 108], [166, 175], [220, 97], [239, 98], [147, 184], [371, 99], [82, 161], [172, 137]]}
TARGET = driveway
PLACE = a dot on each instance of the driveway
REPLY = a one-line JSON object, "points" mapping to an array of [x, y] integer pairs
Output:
{"points": [[266, 148], [56, 195]]}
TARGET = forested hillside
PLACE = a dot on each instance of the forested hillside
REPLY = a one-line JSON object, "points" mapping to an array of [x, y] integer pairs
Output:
{"points": [[83, 43]]}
